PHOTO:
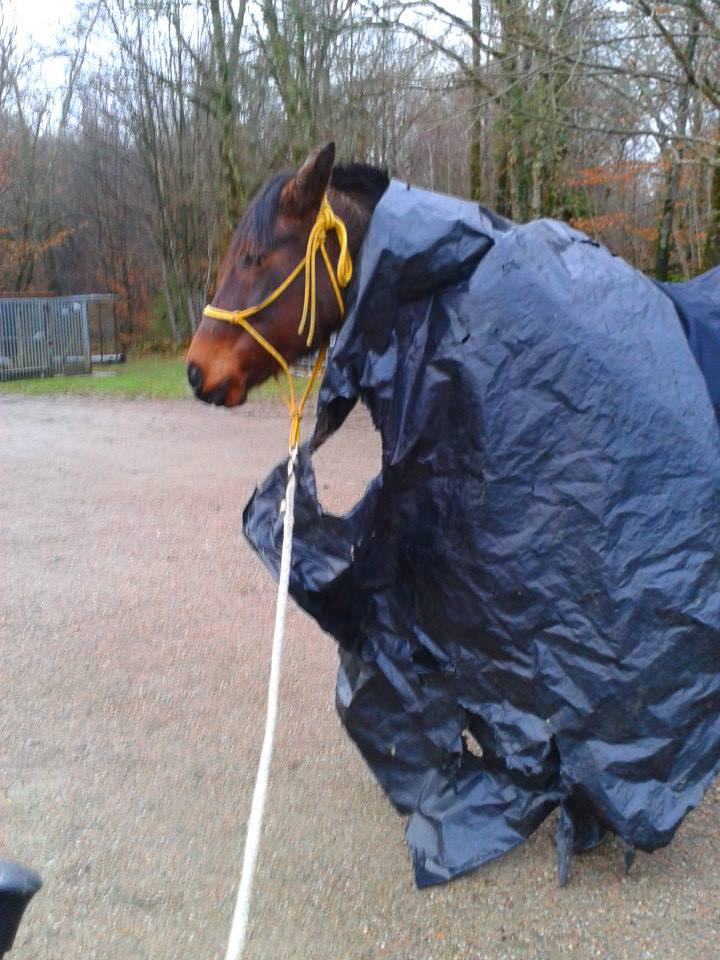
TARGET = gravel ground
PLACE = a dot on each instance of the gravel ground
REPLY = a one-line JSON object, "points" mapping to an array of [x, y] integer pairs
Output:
{"points": [[133, 658]]}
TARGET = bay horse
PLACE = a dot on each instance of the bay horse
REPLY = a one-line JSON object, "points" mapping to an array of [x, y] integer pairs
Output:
{"points": [[224, 361], [263, 264]]}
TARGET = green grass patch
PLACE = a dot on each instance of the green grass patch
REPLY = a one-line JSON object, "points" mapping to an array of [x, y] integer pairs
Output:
{"points": [[156, 377]]}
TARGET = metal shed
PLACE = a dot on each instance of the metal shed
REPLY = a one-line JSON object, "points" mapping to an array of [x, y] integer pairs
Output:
{"points": [[46, 336]]}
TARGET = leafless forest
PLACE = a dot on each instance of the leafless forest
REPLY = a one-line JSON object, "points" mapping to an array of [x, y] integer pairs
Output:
{"points": [[130, 174]]}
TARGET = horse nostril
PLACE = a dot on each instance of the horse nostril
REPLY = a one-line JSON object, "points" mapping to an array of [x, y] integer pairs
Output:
{"points": [[194, 375], [216, 395]]}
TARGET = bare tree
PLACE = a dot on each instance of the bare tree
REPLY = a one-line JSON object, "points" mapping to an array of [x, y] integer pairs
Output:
{"points": [[133, 175]]}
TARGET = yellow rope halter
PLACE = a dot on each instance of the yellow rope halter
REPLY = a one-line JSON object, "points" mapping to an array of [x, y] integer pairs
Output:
{"points": [[325, 221]]}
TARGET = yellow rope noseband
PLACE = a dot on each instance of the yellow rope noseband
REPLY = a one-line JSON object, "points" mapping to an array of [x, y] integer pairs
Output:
{"points": [[326, 221]]}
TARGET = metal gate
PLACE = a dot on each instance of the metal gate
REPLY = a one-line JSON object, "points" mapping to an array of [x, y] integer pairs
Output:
{"points": [[43, 336]]}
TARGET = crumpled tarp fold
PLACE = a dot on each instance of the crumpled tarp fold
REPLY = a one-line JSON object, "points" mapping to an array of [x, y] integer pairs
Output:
{"points": [[526, 600]]}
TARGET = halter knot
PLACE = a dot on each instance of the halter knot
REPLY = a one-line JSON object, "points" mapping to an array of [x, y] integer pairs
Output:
{"points": [[325, 222]]}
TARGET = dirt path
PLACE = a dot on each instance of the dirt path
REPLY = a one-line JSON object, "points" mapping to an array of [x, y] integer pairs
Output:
{"points": [[133, 663]]}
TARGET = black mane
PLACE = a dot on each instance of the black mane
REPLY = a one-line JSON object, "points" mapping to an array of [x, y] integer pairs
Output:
{"points": [[360, 178], [254, 233]]}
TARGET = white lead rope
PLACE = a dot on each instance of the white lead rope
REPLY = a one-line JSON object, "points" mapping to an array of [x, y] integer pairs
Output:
{"points": [[238, 931]]}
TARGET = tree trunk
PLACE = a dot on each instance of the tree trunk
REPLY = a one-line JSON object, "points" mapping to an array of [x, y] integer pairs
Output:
{"points": [[476, 94], [662, 263], [226, 115], [536, 209], [711, 253], [169, 303]]}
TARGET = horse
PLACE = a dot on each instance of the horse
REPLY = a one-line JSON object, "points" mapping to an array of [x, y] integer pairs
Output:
{"points": [[224, 361], [261, 275], [538, 545]]}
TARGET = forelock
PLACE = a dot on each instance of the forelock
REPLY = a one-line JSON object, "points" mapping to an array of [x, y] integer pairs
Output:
{"points": [[255, 230]]}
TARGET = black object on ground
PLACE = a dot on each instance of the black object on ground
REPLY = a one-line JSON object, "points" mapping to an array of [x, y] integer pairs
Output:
{"points": [[18, 885], [536, 569]]}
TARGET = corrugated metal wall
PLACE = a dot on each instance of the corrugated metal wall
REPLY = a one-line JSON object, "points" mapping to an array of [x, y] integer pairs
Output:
{"points": [[43, 336]]}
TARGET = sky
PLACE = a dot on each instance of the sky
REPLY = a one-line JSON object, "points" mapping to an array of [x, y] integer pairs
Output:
{"points": [[41, 22]]}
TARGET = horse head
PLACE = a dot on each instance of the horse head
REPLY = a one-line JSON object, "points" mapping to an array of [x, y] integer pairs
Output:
{"points": [[224, 361]]}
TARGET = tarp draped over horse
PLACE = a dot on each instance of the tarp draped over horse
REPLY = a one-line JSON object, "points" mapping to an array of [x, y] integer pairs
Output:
{"points": [[527, 598], [698, 307]]}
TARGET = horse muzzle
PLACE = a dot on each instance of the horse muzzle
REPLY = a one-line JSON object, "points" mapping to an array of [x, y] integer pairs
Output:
{"points": [[229, 392]]}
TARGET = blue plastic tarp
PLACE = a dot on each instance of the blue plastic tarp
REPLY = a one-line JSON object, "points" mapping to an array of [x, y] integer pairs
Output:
{"points": [[698, 307], [526, 600]]}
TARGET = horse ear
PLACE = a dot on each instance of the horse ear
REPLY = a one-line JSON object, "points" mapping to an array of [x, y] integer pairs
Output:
{"points": [[313, 178]]}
